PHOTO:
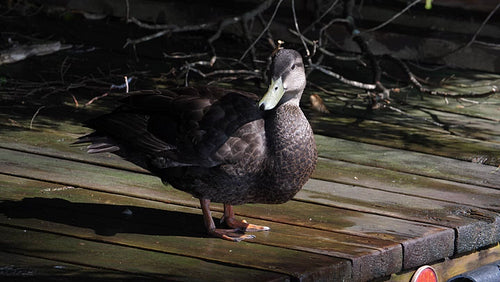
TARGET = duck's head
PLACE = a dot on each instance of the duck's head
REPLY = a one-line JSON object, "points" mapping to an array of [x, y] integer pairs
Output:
{"points": [[288, 80]]}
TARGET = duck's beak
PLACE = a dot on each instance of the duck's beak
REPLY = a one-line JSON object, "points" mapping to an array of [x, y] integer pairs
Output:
{"points": [[273, 95]]}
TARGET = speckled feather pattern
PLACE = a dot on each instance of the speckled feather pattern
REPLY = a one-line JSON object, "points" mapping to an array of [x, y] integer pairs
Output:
{"points": [[272, 169]]}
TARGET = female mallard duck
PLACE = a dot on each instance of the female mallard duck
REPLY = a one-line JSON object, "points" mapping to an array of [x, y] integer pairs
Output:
{"points": [[217, 144]]}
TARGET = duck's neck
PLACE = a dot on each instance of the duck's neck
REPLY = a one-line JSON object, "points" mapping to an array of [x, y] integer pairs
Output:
{"points": [[285, 124], [291, 147]]}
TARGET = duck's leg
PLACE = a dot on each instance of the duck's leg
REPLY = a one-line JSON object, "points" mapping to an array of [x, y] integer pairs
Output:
{"points": [[234, 235], [242, 225]]}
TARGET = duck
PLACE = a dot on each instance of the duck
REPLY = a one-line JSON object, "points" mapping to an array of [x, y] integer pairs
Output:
{"points": [[220, 145]]}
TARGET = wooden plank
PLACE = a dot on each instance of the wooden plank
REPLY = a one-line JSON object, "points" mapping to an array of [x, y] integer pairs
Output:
{"points": [[137, 261], [301, 214], [456, 265], [432, 242], [402, 137], [409, 162], [44, 201], [14, 267], [470, 127], [407, 183], [295, 264], [466, 221], [58, 144], [334, 148], [463, 126], [330, 148], [460, 81], [327, 169]]}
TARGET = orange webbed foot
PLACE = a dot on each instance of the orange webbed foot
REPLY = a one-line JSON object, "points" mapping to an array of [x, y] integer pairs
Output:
{"points": [[234, 235], [242, 225], [239, 227]]}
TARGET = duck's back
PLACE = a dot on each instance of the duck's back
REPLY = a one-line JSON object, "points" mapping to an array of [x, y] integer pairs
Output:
{"points": [[187, 136]]}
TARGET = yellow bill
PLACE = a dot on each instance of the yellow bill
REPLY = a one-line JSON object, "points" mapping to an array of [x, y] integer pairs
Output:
{"points": [[273, 95]]}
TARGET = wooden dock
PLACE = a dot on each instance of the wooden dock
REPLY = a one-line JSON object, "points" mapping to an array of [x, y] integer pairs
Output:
{"points": [[391, 192]]}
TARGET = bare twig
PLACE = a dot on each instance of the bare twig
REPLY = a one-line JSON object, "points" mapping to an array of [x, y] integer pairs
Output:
{"points": [[96, 98], [145, 38], [488, 44], [325, 51], [22, 52], [169, 28], [64, 69], [255, 73], [325, 27], [308, 53], [482, 25], [126, 83], [332, 93], [268, 32], [246, 16], [417, 118], [127, 4], [393, 17], [184, 56], [263, 31], [164, 29], [34, 116], [421, 88], [317, 20], [75, 100], [343, 79], [473, 39]]}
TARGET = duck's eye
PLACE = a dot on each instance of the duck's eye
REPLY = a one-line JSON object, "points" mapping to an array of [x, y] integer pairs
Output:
{"points": [[293, 66]]}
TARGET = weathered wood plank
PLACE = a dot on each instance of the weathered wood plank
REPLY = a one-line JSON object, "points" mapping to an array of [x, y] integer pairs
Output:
{"points": [[327, 169], [464, 219], [165, 238], [331, 148], [295, 264], [456, 265], [409, 162], [460, 135], [44, 201], [302, 214], [14, 267], [463, 126], [349, 173], [58, 144], [136, 261], [402, 137], [407, 183], [431, 241]]}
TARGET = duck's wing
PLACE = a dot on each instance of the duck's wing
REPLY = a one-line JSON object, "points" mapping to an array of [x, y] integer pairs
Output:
{"points": [[185, 127]]}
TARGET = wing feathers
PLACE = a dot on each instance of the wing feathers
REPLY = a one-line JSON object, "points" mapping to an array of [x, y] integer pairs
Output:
{"points": [[188, 126]]}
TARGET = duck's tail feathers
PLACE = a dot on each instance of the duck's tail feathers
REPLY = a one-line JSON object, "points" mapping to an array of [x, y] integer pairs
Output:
{"points": [[99, 144]]}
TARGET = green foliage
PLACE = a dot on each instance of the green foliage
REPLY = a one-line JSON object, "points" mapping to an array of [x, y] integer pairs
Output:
{"points": [[428, 4]]}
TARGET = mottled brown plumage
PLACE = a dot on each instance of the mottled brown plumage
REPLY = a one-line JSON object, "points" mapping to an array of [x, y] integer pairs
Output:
{"points": [[218, 144]]}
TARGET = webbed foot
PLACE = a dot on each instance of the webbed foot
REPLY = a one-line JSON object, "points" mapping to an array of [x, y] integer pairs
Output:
{"points": [[242, 225], [234, 235], [239, 227]]}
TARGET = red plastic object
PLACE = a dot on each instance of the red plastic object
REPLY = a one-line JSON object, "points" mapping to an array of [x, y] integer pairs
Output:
{"points": [[425, 274]]}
